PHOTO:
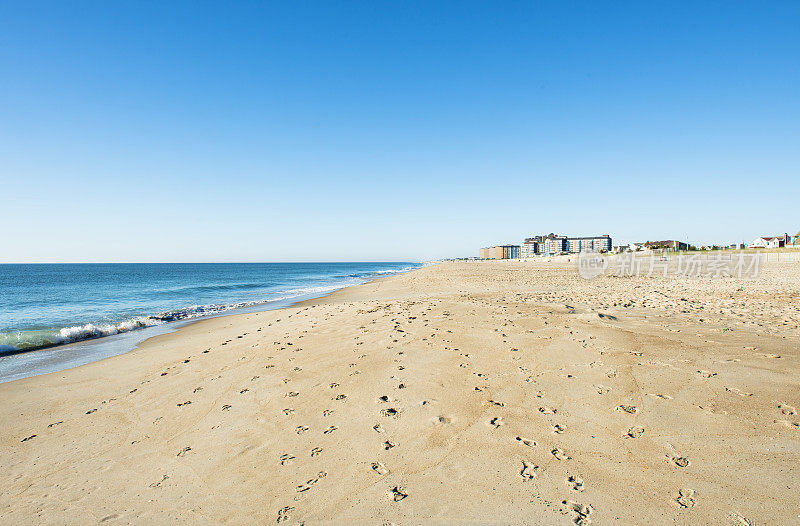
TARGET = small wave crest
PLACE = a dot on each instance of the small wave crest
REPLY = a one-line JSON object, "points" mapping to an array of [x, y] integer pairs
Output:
{"points": [[27, 340], [221, 287]]}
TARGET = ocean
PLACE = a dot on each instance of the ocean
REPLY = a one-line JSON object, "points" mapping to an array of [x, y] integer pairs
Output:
{"points": [[43, 307]]}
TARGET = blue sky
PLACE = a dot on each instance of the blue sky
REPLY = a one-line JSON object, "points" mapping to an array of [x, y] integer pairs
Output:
{"points": [[316, 131]]}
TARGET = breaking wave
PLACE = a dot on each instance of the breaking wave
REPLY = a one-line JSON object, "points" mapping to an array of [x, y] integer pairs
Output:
{"points": [[12, 342]]}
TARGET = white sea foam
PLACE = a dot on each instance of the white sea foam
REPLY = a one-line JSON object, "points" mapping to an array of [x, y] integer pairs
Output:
{"points": [[29, 340], [88, 331]]}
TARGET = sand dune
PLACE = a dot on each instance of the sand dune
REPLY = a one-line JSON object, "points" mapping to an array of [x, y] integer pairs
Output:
{"points": [[490, 392]]}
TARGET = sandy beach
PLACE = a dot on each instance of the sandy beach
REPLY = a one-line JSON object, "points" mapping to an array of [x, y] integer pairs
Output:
{"points": [[465, 392]]}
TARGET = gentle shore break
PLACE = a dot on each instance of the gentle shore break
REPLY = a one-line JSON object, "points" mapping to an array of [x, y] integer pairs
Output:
{"points": [[492, 392]]}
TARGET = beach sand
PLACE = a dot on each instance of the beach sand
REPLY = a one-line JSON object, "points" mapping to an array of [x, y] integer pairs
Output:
{"points": [[483, 392]]}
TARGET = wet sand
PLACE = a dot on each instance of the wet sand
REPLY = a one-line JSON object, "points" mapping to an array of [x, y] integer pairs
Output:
{"points": [[491, 392]]}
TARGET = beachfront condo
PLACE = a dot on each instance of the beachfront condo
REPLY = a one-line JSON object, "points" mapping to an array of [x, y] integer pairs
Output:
{"points": [[500, 252], [553, 244]]}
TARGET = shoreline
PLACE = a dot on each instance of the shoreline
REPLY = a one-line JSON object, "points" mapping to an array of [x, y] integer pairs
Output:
{"points": [[108, 346], [482, 391]]}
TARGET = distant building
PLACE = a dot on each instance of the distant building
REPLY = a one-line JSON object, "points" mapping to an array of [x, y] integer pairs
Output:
{"points": [[589, 244], [533, 246], [552, 244], [670, 244], [529, 248], [770, 242], [500, 252]]}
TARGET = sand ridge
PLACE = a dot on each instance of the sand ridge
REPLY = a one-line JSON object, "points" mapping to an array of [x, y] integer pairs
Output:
{"points": [[492, 392]]}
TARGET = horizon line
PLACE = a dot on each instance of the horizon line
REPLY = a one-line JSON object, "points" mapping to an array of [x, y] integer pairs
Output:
{"points": [[193, 262]]}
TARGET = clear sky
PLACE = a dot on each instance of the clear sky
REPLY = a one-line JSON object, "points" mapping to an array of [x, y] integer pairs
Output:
{"points": [[319, 131]]}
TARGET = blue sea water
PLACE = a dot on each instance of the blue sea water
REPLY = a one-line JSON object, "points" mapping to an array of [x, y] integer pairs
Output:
{"points": [[48, 305]]}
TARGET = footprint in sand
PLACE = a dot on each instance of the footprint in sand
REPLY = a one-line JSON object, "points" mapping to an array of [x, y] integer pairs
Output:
{"points": [[558, 429], [286, 458], [630, 409], [391, 412], [738, 392], [529, 471], [788, 423], [183, 451], [378, 428], [635, 432], [398, 493], [526, 441], [560, 454], [575, 483], [685, 498], [547, 410], [681, 462], [330, 430], [288, 411], [310, 482], [706, 374], [581, 512], [301, 429], [158, 484], [28, 438], [659, 395], [388, 445], [379, 468], [283, 514], [496, 422], [787, 409], [316, 451]]}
